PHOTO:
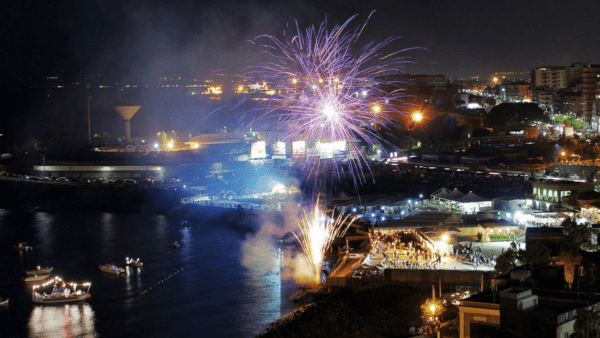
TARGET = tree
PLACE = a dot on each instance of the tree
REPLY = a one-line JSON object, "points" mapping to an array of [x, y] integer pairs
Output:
{"points": [[490, 101], [536, 254], [575, 235], [479, 236], [506, 113], [569, 260], [506, 262], [587, 323]]}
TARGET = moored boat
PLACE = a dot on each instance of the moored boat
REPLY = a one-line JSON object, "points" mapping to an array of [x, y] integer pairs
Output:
{"points": [[3, 302], [62, 292], [36, 278], [111, 268], [133, 262], [176, 245], [39, 271]]}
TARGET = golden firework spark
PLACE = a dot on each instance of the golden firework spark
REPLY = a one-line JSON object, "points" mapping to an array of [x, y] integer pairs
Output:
{"points": [[316, 233]]}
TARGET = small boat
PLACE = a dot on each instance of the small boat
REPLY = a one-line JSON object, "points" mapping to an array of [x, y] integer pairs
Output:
{"points": [[22, 247], [3, 302], [36, 278], [133, 262], [176, 245], [39, 271], [111, 268], [62, 292], [59, 298]]}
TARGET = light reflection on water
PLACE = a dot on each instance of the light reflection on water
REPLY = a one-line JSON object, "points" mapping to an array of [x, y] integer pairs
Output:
{"points": [[69, 320], [212, 292], [266, 288], [43, 223]]}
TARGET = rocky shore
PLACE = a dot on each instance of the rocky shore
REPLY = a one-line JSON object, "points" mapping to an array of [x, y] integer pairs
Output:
{"points": [[380, 311]]}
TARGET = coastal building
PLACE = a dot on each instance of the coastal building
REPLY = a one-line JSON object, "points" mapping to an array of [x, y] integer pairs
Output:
{"points": [[591, 94], [420, 88], [549, 76], [101, 171], [525, 312], [552, 195], [590, 212], [469, 203], [518, 92]]}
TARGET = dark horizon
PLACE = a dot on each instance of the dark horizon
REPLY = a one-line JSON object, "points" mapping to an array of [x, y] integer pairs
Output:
{"points": [[142, 40], [138, 42]]}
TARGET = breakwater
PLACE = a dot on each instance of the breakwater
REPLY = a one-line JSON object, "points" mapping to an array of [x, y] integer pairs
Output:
{"points": [[52, 196]]}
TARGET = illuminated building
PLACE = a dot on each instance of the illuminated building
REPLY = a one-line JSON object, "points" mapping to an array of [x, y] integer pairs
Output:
{"points": [[551, 195], [591, 95], [549, 76], [421, 87], [518, 92], [530, 312]]}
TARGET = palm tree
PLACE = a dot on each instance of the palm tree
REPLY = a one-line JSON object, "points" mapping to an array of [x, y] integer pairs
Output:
{"points": [[587, 323], [569, 260]]}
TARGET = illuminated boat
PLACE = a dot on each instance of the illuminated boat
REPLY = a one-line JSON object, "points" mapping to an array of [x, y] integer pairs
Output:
{"points": [[36, 278], [176, 245], [3, 302], [39, 271], [62, 292], [22, 247], [133, 262], [111, 268]]}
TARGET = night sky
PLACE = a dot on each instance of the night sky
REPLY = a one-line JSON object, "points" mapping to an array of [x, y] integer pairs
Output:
{"points": [[138, 41]]}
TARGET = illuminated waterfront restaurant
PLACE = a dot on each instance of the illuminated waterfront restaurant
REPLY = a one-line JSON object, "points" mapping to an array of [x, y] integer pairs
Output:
{"points": [[459, 202], [465, 228], [549, 196]]}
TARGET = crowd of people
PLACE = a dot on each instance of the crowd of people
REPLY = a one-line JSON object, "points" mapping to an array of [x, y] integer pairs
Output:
{"points": [[403, 250], [476, 257]]}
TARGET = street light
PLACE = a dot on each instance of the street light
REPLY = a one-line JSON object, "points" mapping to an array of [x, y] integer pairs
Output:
{"points": [[417, 116]]}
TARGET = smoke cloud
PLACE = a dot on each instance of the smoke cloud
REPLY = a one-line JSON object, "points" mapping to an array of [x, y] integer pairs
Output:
{"points": [[261, 253]]}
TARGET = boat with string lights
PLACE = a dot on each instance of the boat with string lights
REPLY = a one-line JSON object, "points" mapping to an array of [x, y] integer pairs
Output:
{"points": [[62, 292], [39, 271], [111, 268], [133, 262]]}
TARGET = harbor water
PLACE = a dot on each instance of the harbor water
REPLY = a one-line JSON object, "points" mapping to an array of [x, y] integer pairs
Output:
{"points": [[200, 289]]}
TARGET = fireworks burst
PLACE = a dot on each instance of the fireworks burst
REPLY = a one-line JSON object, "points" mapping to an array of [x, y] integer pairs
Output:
{"points": [[329, 90], [316, 233]]}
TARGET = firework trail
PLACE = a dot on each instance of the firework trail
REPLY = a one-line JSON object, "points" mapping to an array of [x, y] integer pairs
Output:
{"points": [[326, 88], [316, 233]]}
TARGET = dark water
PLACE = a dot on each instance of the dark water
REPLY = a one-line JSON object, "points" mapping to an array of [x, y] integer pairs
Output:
{"points": [[213, 296]]}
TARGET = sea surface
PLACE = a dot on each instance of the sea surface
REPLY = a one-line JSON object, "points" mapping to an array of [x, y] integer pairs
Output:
{"points": [[200, 289]]}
